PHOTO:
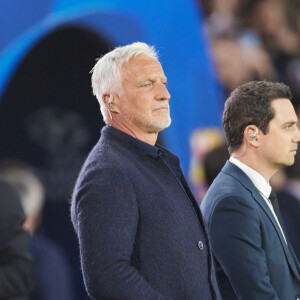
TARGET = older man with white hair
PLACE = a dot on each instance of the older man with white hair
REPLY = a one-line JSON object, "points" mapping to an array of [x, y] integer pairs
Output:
{"points": [[140, 230]]}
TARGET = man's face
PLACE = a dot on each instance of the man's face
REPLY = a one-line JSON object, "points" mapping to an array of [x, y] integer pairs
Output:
{"points": [[144, 98], [279, 145]]}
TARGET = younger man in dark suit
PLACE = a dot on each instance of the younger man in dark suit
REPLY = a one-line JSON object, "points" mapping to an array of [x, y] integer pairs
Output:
{"points": [[253, 257]]}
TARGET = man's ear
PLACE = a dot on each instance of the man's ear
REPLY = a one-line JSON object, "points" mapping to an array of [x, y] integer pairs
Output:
{"points": [[111, 100], [107, 99], [251, 134]]}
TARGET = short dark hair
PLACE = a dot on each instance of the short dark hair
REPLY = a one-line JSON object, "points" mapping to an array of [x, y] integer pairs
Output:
{"points": [[250, 104]]}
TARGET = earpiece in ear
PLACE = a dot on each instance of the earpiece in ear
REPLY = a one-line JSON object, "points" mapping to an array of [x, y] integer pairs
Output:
{"points": [[110, 101], [253, 134]]}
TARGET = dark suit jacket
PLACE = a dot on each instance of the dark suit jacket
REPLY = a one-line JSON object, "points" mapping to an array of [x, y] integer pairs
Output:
{"points": [[251, 256], [140, 230], [16, 267]]}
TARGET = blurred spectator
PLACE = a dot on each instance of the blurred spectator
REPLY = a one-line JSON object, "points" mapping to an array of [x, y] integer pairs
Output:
{"points": [[221, 19], [202, 141], [268, 19], [238, 61], [16, 268], [289, 202], [214, 161], [277, 181], [53, 275], [255, 40]]}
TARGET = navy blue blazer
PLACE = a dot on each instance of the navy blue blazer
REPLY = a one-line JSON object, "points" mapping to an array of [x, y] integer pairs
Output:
{"points": [[140, 230], [252, 259]]}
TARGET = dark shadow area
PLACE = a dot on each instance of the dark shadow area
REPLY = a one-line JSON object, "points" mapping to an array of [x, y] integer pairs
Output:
{"points": [[50, 119]]}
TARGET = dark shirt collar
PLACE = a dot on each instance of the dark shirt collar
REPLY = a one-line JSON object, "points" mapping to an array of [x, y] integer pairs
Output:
{"points": [[125, 138], [157, 151]]}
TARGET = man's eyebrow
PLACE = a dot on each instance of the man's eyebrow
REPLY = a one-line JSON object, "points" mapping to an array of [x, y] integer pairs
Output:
{"points": [[289, 123], [152, 80], [145, 80]]}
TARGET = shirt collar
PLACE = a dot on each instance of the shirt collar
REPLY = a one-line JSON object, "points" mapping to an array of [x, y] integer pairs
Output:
{"points": [[258, 180]]}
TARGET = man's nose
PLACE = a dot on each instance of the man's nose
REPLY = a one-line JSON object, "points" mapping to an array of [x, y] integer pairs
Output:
{"points": [[162, 92], [296, 138]]}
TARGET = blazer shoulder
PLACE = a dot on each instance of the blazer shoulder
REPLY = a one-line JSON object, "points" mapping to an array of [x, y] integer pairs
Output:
{"points": [[225, 184], [225, 188]]}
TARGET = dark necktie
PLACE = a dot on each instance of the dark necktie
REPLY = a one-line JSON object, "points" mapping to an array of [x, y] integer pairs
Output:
{"points": [[274, 201]]}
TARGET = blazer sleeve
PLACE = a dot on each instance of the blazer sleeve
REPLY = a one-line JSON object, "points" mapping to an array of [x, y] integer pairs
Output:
{"points": [[106, 220], [235, 235], [16, 266]]}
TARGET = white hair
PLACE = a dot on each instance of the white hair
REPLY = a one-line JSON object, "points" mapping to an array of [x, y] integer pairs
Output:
{"points": [[106, 76], [28, 186]]}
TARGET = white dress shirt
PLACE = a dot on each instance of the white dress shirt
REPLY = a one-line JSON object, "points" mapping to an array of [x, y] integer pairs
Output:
{"points": [[260, 183]]}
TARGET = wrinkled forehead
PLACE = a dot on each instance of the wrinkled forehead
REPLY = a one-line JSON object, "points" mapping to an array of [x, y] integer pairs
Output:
{"points": [[141, 65]]}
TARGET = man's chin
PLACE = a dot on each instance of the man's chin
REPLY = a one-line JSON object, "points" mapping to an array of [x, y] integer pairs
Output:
{"points": [[157, 127], [287, 163], [291, 162]]}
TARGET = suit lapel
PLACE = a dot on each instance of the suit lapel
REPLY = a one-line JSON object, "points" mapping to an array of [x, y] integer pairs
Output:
{"points": [[259, 199], [239, 175]]}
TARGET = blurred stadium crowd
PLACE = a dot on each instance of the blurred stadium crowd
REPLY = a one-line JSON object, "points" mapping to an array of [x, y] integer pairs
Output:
{"points": [[255, 40]]}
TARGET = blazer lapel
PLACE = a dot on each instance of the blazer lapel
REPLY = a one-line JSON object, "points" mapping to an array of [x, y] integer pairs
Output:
{"points": [[256, 195], [239, 175]]}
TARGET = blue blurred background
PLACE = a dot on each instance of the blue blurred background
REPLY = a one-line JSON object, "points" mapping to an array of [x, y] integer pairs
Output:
{"points": [[50, 120]]}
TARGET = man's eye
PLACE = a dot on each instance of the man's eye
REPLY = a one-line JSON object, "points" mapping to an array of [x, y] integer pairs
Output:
{"points": [[146, 84]]}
